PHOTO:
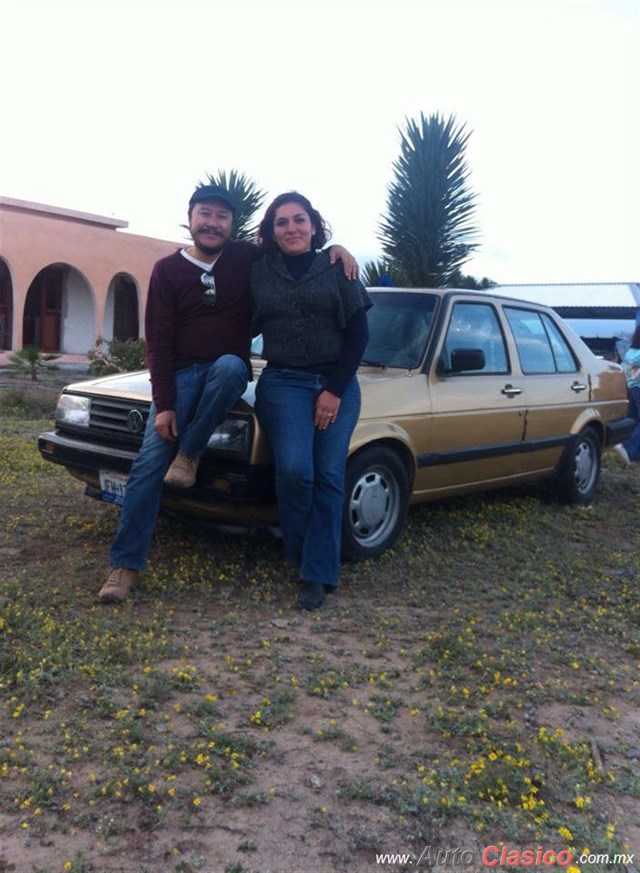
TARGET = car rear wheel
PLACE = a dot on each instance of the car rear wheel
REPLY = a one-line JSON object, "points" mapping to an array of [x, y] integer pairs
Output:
{"points": [[376, 503], [579, 469]]}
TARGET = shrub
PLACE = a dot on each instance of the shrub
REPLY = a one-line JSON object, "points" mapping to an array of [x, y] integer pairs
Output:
{"points": [[24, 403], [116, 356]]}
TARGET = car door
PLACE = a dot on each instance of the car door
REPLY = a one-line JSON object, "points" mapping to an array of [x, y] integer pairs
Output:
{"points": [[477, 417], [556, 389]]}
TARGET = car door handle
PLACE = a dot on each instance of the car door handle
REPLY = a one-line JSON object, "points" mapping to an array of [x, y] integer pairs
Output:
{"points": [[578, 386], [511, 391]]}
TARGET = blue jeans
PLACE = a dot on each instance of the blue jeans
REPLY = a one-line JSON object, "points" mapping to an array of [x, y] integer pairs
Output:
{"points": [[204, 395], [309, 467], [632, 445]]}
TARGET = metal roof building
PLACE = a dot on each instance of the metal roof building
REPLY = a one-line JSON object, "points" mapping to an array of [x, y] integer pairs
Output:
{"points": [[599, 312], [596, 295]]}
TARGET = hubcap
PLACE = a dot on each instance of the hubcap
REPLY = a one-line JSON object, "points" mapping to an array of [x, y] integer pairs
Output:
{"points": [[584, 467], [374, 501], [374, 506]]}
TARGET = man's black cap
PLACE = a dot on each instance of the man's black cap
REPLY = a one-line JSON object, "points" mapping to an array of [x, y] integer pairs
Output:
{"points": [[212, 192]]}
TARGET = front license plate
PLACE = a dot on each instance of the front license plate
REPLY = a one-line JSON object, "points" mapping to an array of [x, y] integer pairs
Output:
{"points": [[112, 486]]}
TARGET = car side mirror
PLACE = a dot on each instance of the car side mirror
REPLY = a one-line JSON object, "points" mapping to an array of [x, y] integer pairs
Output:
{"points": [[463, 360]]}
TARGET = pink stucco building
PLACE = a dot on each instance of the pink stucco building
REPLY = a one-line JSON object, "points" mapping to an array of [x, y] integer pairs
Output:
{"points": [[68, 277]]}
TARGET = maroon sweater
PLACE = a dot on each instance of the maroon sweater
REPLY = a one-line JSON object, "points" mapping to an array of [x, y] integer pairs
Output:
{"points": [[181, 330]]}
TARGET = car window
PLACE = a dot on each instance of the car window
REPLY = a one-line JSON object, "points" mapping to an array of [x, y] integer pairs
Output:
{"points": [[565, 360], [476, 326], [399, 327], [541, 346]]}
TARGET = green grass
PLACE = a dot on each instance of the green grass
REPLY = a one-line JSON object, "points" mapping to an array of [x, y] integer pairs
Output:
{"points": [[480, 679]]}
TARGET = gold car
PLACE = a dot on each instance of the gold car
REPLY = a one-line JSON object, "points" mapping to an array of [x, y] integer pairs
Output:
{"points": [[461, 391]]}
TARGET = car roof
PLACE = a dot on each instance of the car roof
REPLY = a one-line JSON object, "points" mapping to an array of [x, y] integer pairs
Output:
{"points": [[444, 293]]}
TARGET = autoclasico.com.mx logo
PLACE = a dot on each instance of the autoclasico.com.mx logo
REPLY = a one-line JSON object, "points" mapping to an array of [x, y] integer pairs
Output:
{"points": [[503, 856]]}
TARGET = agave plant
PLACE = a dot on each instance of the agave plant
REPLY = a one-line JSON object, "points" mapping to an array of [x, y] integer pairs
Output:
{"points": [[427, 231]]}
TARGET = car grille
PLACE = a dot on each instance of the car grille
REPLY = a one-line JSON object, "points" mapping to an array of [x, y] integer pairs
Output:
{"points": [[125, 418]]}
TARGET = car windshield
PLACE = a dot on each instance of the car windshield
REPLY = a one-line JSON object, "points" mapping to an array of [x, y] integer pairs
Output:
{"points": [[399, 325]]}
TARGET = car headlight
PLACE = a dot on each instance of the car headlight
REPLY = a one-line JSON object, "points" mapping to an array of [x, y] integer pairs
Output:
{"points": [[233, 436], [74, 410]]}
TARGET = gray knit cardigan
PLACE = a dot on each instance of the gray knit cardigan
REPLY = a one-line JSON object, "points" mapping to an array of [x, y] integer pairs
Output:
{"points": [[302, 320]]}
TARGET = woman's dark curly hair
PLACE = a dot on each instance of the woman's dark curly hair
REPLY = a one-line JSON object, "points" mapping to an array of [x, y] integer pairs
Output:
{"points": [[265, 230]]}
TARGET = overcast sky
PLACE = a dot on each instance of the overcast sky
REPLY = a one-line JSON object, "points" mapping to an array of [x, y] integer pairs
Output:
{"points": [[120, 107]]}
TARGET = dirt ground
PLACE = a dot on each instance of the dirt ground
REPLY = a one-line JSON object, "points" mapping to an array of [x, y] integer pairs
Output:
{"points": [[475, 687]]}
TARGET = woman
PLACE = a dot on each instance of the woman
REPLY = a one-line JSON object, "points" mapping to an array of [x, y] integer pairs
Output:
{"points": [[629, 450], [314, 328]]}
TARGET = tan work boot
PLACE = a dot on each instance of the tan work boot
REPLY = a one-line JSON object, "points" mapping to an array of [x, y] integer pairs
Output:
{"points": [[182, 473], [118, 585]]}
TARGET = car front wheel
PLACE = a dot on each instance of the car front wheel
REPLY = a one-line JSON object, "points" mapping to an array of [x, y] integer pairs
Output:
{"points": [[376, 503], [579, 469]]}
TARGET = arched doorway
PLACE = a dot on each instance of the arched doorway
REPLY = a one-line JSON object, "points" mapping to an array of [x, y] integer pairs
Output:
{"points": [[121, 314], [43, 310], [59, 311], [6, 306]]}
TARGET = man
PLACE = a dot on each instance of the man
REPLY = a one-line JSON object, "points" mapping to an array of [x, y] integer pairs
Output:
{"points": [[197, 328], [198, 339]]}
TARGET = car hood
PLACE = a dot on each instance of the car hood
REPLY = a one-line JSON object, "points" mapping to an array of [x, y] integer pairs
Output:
{"points": [[135, 386]]}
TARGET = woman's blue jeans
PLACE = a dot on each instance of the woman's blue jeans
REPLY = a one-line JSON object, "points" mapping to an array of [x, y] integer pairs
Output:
{"points": [[309, 467], [204, 395], [632, 445]]}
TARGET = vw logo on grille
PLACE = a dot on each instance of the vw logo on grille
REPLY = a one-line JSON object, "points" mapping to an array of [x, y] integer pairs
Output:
{"points": [[135, 421]]}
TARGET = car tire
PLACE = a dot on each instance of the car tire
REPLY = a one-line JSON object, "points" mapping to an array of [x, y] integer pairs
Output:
{"points": [[376, 502], [579, 469]]}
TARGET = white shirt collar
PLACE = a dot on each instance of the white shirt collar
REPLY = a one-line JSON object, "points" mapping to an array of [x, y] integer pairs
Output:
{"points": [[202, 264]]}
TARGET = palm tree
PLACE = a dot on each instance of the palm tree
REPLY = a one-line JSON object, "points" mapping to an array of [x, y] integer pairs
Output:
{"points": [[427, 231], [30, 359], [248, 197]]}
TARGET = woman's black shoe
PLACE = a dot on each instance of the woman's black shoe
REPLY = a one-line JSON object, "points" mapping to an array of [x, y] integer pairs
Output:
{"points": [[312, 595]]}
